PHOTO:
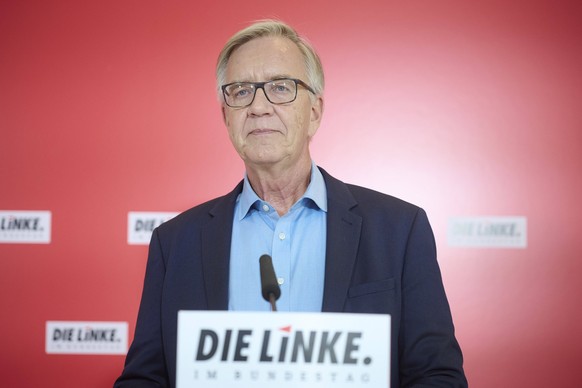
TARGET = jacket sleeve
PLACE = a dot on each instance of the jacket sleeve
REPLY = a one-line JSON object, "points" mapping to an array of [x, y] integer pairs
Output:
{"points": [[145, 364], [429, 353]]}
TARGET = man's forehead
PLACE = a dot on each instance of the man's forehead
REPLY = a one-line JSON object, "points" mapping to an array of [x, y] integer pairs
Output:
{"points": [[266, 58]]}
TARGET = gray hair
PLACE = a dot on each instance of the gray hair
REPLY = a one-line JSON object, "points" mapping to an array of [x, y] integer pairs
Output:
{"points": [[272, 28]]}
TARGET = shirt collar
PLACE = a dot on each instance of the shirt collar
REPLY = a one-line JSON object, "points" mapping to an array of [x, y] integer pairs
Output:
{"points": [[316, 192]]}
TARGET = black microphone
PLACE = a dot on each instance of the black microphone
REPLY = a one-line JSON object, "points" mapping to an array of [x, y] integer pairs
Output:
{"points": [[270, 287]]}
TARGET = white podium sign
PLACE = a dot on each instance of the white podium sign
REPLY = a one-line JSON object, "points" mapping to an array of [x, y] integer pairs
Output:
{"points": [[282, 350]]}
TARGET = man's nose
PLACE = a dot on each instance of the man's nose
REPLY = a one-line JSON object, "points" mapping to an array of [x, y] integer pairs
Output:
{"points": [[261, 104]]}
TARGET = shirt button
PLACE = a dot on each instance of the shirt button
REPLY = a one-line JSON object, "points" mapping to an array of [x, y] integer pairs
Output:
{"points": [[266, 208], [280, 281], [281, 236]]}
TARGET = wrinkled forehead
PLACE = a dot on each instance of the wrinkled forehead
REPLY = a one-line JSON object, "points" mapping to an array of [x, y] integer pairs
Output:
{"points": [[265, 58]]}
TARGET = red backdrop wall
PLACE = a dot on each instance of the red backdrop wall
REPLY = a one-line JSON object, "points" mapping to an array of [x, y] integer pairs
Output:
{"points": [[464, 108]]}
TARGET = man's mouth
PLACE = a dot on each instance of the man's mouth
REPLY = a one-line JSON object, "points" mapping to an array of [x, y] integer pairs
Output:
{"points": [[262, 131]]}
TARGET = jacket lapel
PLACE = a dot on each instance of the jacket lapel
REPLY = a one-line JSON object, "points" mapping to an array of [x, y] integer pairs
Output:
{"points": [[343, 236], [216, 240]]}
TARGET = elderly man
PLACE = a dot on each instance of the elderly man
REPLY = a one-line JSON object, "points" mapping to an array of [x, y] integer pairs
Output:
{"points": [[335, 247]]}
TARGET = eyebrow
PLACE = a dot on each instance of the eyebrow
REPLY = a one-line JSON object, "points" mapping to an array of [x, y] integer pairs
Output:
{"points": [[274, 77]]}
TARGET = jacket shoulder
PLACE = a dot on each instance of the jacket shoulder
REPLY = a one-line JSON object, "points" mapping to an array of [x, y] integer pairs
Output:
{"points": [[202, 213], [364, 200]]}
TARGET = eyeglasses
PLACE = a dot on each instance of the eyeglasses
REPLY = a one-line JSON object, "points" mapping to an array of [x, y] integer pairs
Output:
{"points": [[277, 91]]}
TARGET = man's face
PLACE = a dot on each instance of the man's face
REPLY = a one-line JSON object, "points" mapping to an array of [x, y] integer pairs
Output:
{"points": [[265, 134]]}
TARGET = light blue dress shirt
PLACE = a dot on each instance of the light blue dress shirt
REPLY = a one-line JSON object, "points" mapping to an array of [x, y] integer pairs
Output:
{"points": [[295, 241]]}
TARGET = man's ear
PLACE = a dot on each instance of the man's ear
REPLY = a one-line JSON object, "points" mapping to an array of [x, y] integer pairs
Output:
{"points": [[316, 114], [223, 110]]}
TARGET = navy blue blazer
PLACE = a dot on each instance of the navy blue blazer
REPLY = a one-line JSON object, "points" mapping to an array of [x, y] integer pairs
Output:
{"points": [[380, 259]]}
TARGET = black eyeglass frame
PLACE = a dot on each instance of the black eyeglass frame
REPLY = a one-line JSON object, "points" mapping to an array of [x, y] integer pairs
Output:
{"points": [[261, 85]]}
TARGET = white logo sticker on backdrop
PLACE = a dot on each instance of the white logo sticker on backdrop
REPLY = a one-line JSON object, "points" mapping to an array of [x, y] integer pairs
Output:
{"points": [[488, 232], [64, 337], [140, 225], [25, 227]]}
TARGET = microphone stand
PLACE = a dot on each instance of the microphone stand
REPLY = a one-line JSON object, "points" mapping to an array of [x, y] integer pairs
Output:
{"points": [[272, 301]]}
